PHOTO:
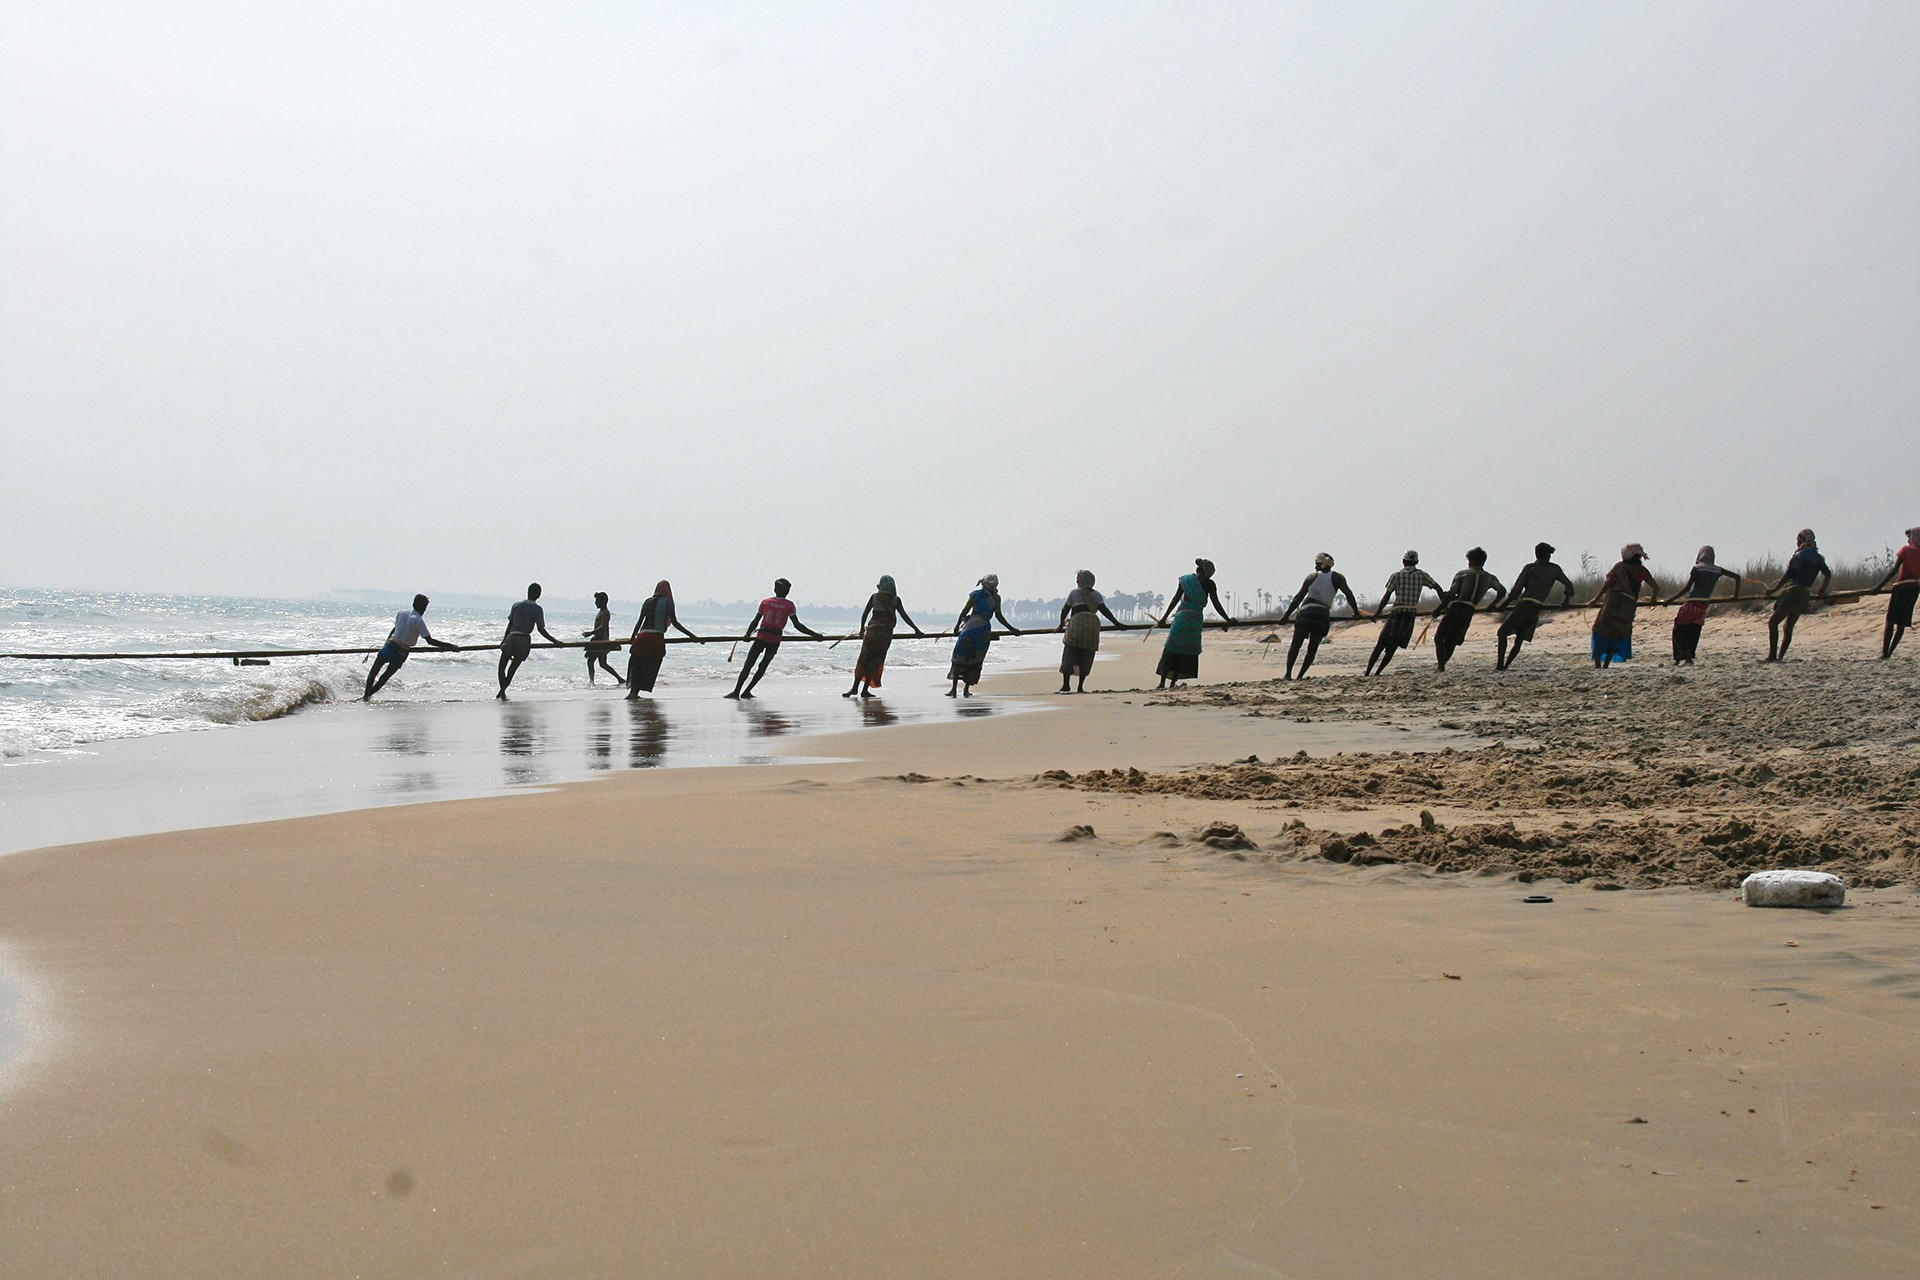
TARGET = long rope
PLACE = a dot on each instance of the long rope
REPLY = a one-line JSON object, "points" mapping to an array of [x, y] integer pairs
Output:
{"points": [[1835, 597]]}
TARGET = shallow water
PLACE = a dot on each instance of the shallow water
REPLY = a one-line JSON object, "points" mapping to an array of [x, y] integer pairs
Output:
{"points": [[351, 755]]}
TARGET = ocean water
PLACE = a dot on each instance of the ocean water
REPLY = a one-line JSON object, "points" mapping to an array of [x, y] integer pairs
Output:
{"points": [[61, 707]]}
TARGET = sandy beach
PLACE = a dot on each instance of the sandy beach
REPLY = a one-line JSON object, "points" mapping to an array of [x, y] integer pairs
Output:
{"points": [[1232, 981]]}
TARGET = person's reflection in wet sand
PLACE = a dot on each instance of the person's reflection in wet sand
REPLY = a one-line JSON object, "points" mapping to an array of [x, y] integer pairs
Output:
{"points": [[600, 738], [874, 714], [976, 709], [763, 723], [408, 738], [648, 746], [519, 745]]}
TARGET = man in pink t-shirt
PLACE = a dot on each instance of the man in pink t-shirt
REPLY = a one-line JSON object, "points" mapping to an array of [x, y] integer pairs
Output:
{"points": [[767, 628], [1904, 573]]}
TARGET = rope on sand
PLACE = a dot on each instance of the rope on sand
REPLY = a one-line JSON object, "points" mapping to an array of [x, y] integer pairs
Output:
{"points": [[610, 644]]}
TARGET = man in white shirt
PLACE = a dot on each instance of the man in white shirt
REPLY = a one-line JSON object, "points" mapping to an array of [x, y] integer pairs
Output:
{"points": [[409, 628]]}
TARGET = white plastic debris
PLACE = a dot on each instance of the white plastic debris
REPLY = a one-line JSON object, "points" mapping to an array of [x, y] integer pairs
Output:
{"points": [[1793, 889]]}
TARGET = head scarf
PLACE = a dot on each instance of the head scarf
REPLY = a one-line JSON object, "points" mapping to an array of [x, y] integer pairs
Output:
{"points": [[886, 584], [663, 588], [1913, 535], [1804, 538], [1083, 579], [1633, 551], [1705, 556], [1323, 562], [991, 582], [1205, 569]]}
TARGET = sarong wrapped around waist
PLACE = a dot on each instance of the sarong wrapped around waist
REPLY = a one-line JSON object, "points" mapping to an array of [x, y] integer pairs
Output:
{"points": [[1183, 635], [649, 644], [1616, 616], [1083, 630], [1794, 601], [874, 643], [1690, 614]]}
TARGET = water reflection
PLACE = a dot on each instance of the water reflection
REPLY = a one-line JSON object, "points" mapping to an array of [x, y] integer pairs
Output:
{"points": [[973, 709], [874, 714], [520, 745], [600, 738], [648, 745], [407, 738], [764, 723], [415, 782]]}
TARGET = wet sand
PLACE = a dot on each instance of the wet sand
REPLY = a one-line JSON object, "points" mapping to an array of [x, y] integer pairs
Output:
{"points": [[931, 1012]]}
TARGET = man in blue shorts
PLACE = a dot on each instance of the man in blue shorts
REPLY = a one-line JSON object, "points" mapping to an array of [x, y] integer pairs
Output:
{"points": [[409, 629]]}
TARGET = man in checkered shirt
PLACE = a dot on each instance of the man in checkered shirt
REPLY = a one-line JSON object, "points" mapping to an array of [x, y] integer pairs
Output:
{"points": [[1403, 590]]}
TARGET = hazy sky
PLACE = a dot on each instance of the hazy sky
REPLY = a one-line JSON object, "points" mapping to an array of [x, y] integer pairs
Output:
{"points": [[447, 297]]}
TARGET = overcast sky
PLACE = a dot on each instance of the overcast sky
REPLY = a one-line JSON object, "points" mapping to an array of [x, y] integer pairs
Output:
{"points": [[448, 297]]}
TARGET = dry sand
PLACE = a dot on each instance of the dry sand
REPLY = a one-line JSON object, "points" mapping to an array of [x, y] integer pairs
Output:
{"points": [[938, 1013]]}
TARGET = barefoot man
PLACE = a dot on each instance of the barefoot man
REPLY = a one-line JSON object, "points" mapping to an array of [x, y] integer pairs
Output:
{"points": [[1463, 597], [1906, 567], [1403, 590], [523, 620], [767, 628], [1531, 587], [1315, 601], [409, 628], [1795, 590]]}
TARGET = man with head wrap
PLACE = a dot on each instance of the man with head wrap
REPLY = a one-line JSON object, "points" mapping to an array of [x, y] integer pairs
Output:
{"points": [[1531, 587], [1314, 601], [1795, 592]]}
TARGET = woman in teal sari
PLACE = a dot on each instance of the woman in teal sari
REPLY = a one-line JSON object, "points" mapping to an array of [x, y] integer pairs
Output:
{"points": [[1180, 660]]}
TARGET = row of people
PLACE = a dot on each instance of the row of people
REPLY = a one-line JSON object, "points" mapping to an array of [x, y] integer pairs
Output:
{"points": [[1310, 610]]}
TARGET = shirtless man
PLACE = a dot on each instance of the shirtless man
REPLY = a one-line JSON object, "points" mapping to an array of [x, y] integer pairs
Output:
{"points": [[1531, 587], [409, 628], [767, 629], [523, 620], [1315, 601]]}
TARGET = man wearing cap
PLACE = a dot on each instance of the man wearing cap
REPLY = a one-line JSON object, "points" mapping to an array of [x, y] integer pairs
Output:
{"points": [[1403, 589], [1531, 587]]}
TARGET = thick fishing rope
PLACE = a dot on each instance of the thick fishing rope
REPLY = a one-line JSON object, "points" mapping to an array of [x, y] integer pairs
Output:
{"points": [[610, 644]]}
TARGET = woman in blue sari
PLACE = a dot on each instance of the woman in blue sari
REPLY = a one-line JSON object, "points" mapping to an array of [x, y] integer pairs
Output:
{"points": [[974, 632], [1180, 660]]}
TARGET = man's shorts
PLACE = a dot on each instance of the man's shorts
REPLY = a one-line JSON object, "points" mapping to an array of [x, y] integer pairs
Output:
{"points": [[517, 645], [1522, 620], [1398, 630], [391, 652], [1313, 621]]}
